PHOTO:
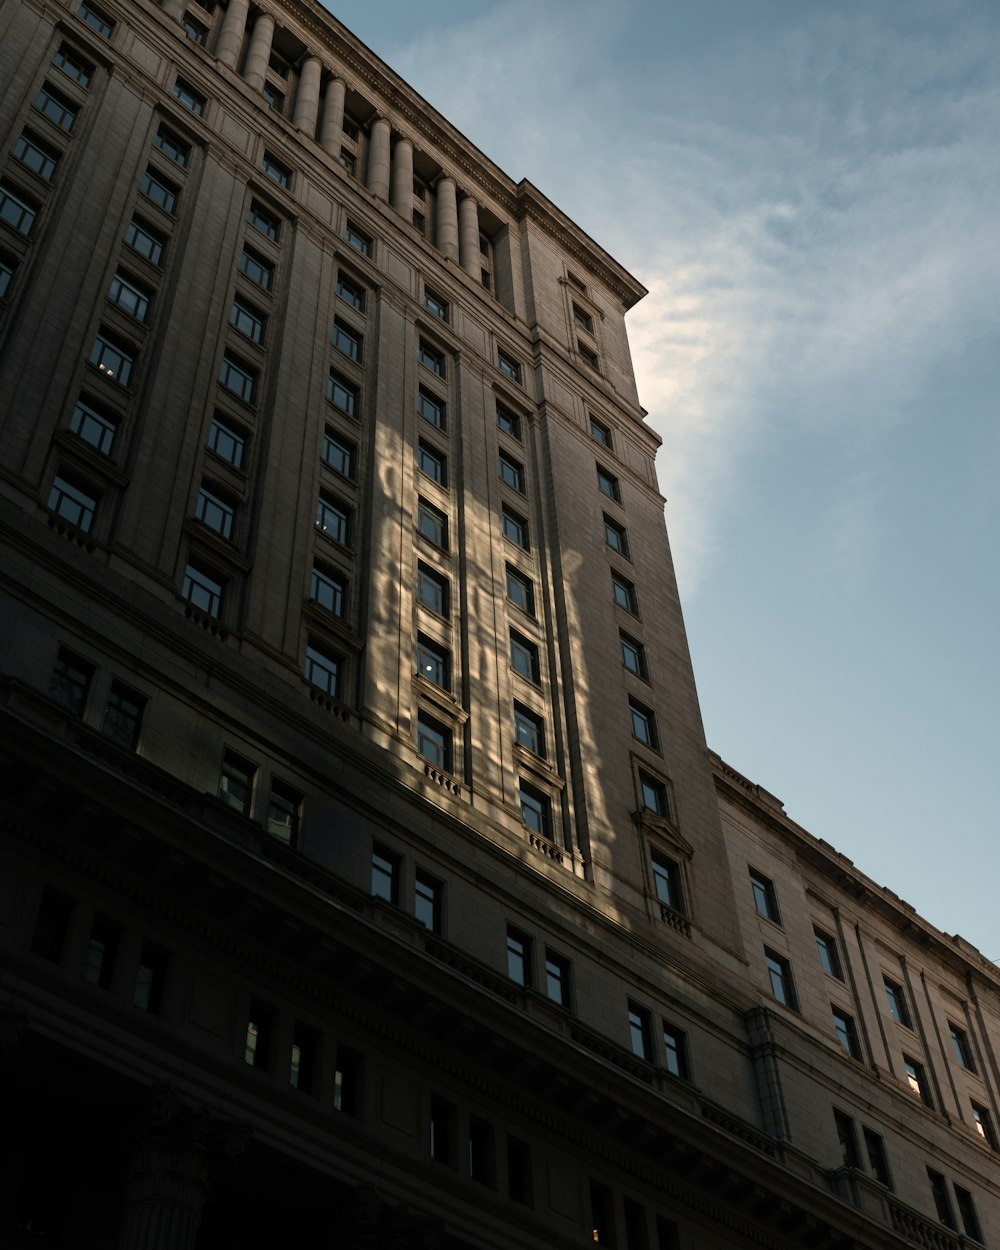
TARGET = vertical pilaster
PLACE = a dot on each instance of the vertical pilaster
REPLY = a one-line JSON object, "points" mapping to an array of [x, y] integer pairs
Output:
{"points": [[259, 51], [378, 159], [402, 178], [332, 125], [307, 96], [447, 218], [468, 226], [231, 36]]}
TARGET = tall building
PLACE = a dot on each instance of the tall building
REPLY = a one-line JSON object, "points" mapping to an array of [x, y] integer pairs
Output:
{"points": [[366, 878]]}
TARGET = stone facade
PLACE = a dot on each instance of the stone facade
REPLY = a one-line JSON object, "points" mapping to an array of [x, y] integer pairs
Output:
{"points": [[366, 878]]}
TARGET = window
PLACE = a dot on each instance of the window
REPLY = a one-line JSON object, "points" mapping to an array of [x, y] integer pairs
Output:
{"points": [[187, 95], [278, 65], [328, 589], [273, 96], [275, 169], [431, 358], [351, 293], [247, 319], [142, 238], [916, 1078], [256, 268], [433, 742], [536, 810], [305, 1053], [322, 670], [347, 1077], [829, 956], [514, 527], [51, 104], [72, 503], [623, 593], [360, 241], [236, 782], [70, 682], [764, 897], [640, 1026], [675, 1050], [386, 866], [520, 591], [94, 426], [600, 433], [667, 881], [172, 147], [432, 462], [194, 29], [779, 972], [427, 895], [961, 1048], [508, 366], [123, 716], [342, 394], [112, 359], [524, 657], [36, 155], [431, 408], [519, 1174], [284, 810], [633, 656], [227, 444], [878, 1160], [129, 296], [482, 1151], [237, 377], [259, 1036], [16, 212], [73, 65], [6, 273], [557, 972], [529, 730], [942, 1203], [432, 590], [983, 1122], [608, 485], [202, 591], [102, 950], [150, 979], [848, 1138], [214, 512], [583, 319], [509, 422], [847, 1032], [435, 304], [433, 662], [616, 536], [338, 453], [590, 358], [442, 1126], [52, 922], [653, 796], [96, 19], [643, 723], [159, 191], [602, 1214], [346, 339], [349, 161], [262, 220], [896, 999], [967, 1213], [511, 472], [432, 524], [351, 128], [518, 957]]}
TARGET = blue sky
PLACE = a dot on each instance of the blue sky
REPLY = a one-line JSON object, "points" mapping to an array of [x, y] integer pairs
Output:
{"points": [[810, 191]]}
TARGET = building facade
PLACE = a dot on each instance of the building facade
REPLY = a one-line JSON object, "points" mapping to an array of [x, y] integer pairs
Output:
{"points": [[366, 878]]}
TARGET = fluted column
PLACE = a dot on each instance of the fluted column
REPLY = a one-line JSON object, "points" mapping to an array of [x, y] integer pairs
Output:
{"points": [[307, 96], [468, 234], [259, 52], [402, 178], [174, 9], [231, 36], [447, 219], [332, 126], [378, 159]]}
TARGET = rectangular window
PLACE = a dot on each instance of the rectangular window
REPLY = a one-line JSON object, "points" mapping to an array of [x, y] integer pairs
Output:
{"points": [[878, 1160], [256, 268], [70, 682], [53, 105], [434, 742], [262, 220], [432, 462], [983, 1122], [227, 444], [349, 161], [653, 796], [557, 974], [151, 979], [141, 237], [427, 894], [515, 528], [435, 304], [16, 212], [236, 782], [187, 96], [431, 358], [159, 191], [90, 423], [916, 1078], [360, 241], [529, 730], [942, 1203], [102, 952], [351, 293], [172, 147], [431, 408], [643, 723], [779, 973], [667, 881], [214, 512], [600, 433], [633, 656], [73, 65], [847, 1032], [616, 536], [520, 590], [432, 590], [961, 1048], [583, 319], [273, 96], [342, 394], [511, 472], [602, 1214], [284, 813], [346, 339], [52, 922], [129, 296], [519, 957], [509, 422], [524, 657], [536, 810], [482, 1151], [247, 319], [322, 670], [304, 1059], [442, 1131], [508, 366], [386, 871], [112, 358], [238, 378], [123, 716], [333, 518], [432, 524], [640, 1027], [675, 1050], [433, 662], [967, 1214], [848, 1138], [339, 453], [96, 19], [328, 589], [36, 155], [896, 999], [590, 358], [624, 594], [6, 273], [202, 590], [194, 29], [73, 503], [259, 1036], [764, 897], [347, 1081], [519, 1175], [608, 485], [829, 956]]}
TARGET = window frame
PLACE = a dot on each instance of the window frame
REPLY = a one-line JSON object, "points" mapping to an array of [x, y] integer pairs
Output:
{"points": [[256, 268], [524, 603], [279, 173], [23, 222], [232, 367], [202, 591], [509, 366], [324, 664], [640, 1026], [426, 511], [511, 471], [539, 805], [675, 1050], [846, 1029], [609, 485], [432, 661], [529, 730], [428, 454], [429, 576], [779, 974], [765, 897], [265, 222], [217, 428], [515, 527], [189, 96], [167, 194], [523, 647], [432, 358], [667, 883], [435, 737], [623, 594], [87, 412], [362, 243], [644, 727], [211, 506], [321, 578], [334, 518], [344, 333], [338, 453], [828, 952], [69, 500]]}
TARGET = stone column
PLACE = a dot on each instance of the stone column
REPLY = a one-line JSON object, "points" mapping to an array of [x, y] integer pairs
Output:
{"points": [[332, 126], [447, 218], [468, 227], [231, 35], [402, 178], [378, 159], [307, 96], [259, 51], [174, 9]]}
